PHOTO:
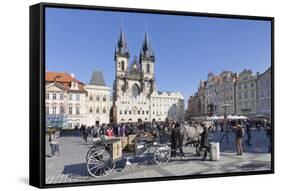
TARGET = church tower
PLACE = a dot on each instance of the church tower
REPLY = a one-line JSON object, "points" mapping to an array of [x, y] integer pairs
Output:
{"points": [[121, 56], [147, 60]]}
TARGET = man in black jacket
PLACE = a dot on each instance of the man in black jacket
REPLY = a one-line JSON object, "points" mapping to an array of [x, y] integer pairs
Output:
{"points": [[173, 138], [205, 142]]}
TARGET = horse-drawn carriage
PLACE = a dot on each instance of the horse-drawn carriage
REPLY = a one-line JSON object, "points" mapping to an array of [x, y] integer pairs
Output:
{"points": [[103, 155]]}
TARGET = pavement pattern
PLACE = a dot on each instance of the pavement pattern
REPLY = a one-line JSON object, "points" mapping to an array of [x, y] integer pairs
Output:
{"points": [[70, 164]]}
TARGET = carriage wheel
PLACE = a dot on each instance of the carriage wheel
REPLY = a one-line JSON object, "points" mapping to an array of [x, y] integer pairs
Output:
{"points": [[100, 164], [162, 155], [90, 152]]}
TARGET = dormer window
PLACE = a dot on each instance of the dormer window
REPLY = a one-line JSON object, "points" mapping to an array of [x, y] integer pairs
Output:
{"points": [[74, 85]]}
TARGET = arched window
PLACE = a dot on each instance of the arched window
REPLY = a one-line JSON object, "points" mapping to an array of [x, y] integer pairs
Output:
{"points": [[148, 68], [91, 110], [104, 98], [135, 90], [97, 110], [104, 110], [122, 65], [98, 98]]}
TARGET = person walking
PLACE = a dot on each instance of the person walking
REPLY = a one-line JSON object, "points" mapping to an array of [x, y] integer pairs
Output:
{"points": [[224, 132], [53, 139], [269, 135], [249, 133], [85, 134], [52, 143], [204, 142], [238, 139], [57, 148]]}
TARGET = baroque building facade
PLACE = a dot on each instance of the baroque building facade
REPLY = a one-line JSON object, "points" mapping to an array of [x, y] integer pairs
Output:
{"points": [[71, 103], [231, 93], [226, 93], [65, 100], [264, 93], [135, 97], [246, 94], [98, 102]]}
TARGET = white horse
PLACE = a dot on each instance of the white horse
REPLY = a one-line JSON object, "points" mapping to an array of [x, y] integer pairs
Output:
{"points": [[192, 134]]}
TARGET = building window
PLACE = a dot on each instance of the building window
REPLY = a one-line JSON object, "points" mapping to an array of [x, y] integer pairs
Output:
{"points": [[61, 110], [143, 112], [253, 104], [120, 112], [138, 111], [97, 110], [125, 112], [91, 97], [252, 85], [91, 110], [104, 98], [98, 98], [70, 96], [267, 82], [54, 110], [239, 87], [77, 97], [130, 112], [70, 110], [147, 68], [69, 125], [47, 96], [104, 110], [61, 96], [77, 110], [262, 93], [54, 96], [245, 86], [252, 93], [246, 95], [147, 112]]}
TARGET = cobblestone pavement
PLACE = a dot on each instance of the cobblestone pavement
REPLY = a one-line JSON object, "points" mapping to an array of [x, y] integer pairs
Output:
{"points": [[70, 165]]}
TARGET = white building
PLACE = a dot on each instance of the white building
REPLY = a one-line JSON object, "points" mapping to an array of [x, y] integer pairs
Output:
{"points": [[246, 94], [264, 93], [135, 97], [65, 100], [98, 103]]}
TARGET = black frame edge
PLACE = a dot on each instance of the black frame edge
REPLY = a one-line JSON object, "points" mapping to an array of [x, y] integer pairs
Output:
{"points": [[37, 92], [35, 141]]}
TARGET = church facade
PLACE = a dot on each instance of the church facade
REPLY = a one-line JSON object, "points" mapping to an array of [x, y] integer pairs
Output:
{"points": [[135, 96]]}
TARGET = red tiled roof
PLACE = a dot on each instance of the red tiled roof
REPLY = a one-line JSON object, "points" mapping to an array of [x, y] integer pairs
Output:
{"points": [[60, 77], [64, 79]]}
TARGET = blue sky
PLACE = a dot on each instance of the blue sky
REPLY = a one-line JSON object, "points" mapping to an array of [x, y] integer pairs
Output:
{"points": [[186, 48]]}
